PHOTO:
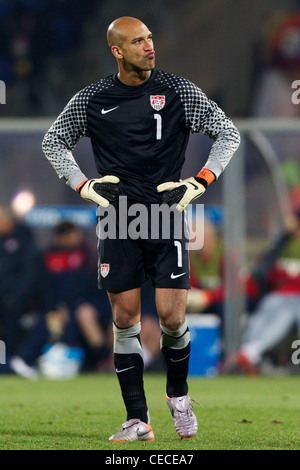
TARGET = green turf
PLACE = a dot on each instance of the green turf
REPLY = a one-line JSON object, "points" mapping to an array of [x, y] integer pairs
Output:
{"points": [[237, 413]]}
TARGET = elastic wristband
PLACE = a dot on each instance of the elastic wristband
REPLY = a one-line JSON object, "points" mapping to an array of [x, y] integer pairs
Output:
{"points": [[201, 181], [80, 186], [206, 175]]}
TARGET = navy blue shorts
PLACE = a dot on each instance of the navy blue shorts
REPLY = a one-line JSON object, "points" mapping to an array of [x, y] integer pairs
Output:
{"points": [[126, 263]]}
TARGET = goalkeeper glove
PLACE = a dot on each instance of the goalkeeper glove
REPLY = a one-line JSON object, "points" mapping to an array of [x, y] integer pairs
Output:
{"points": [[185, 191], [100, 190]]}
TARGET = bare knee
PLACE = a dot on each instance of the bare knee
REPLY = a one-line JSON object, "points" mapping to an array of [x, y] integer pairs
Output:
{"points": [[126, 307], [171, 320], [124, 317], [171, 304]]}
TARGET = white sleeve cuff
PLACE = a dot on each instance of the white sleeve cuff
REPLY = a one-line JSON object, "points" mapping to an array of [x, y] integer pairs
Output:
{"points": [[75, 179], [213, 166]]}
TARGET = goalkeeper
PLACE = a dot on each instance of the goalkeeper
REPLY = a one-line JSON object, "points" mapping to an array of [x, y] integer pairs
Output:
{"points": [[139, 121]]}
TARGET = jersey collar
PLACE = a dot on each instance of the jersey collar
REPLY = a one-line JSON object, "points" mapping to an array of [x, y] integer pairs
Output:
{"points": [[135, 87]]}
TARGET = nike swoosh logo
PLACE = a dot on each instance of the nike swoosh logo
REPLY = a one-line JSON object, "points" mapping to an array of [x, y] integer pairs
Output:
{"points": [[141, 434], [105, 111], [179, 360], [174, 276], [123, 370]]}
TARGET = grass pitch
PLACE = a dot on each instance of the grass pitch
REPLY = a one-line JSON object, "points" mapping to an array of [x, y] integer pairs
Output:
{"points": [[237, 413]]}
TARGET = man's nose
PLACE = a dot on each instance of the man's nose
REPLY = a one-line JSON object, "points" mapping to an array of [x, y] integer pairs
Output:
{"points": [[148, 45]]}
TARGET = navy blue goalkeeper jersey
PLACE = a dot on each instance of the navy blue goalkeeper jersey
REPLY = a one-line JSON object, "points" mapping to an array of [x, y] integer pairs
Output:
{"points": [[139, 133]]}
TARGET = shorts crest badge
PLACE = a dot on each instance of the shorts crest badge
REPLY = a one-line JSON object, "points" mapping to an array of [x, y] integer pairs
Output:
{"points": [[104, 269], [157, 101]]}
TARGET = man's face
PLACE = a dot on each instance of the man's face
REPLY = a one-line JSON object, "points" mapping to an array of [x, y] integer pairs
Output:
{"points": [[137, 49]]}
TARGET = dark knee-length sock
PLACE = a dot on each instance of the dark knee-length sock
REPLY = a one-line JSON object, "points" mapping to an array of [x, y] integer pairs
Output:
{"points": [[175, 346], [129, 364]]}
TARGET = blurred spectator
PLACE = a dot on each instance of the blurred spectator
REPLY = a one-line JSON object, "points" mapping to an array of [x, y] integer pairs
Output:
{"points": [[279, 309], [75, 313], [207, 277], [206, 292], [277, 70], [19, 276], [69, 315]]}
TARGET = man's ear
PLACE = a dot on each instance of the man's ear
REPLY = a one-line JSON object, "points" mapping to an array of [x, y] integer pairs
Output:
{"points": [[116, 51]]}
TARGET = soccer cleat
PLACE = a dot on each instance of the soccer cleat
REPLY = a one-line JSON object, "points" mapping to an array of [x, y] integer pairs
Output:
{"points": [[184, 418], [133, 430]]}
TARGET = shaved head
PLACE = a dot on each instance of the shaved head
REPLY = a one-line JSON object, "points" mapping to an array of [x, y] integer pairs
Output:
{"points": [[119, 29], [131, 43]]}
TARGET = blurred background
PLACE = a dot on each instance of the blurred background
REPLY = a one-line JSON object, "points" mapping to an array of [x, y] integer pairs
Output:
{"points": [[246, 57]]}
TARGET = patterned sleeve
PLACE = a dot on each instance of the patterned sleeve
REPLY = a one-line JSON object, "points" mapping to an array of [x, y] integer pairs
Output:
{"points": [[62, 137], [203, 115]]}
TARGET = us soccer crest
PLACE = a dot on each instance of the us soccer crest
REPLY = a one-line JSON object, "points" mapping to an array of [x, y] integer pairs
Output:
{"points": [[104, 269], [157, 102]]}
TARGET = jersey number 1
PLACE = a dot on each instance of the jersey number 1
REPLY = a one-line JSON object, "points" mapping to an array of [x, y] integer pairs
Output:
{"points": [[179, 253], [158, 119]]}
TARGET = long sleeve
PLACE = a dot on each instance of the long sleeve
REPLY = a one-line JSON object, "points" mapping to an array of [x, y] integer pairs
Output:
{"points": [[62, 137], [204, 115]]}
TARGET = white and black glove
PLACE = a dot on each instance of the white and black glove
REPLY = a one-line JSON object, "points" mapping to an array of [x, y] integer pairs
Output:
{"points": [[103, 191], [181, 193], [184, 192]]}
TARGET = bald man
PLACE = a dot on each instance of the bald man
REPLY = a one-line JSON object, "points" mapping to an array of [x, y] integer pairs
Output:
{"points": [[139, 121]]}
